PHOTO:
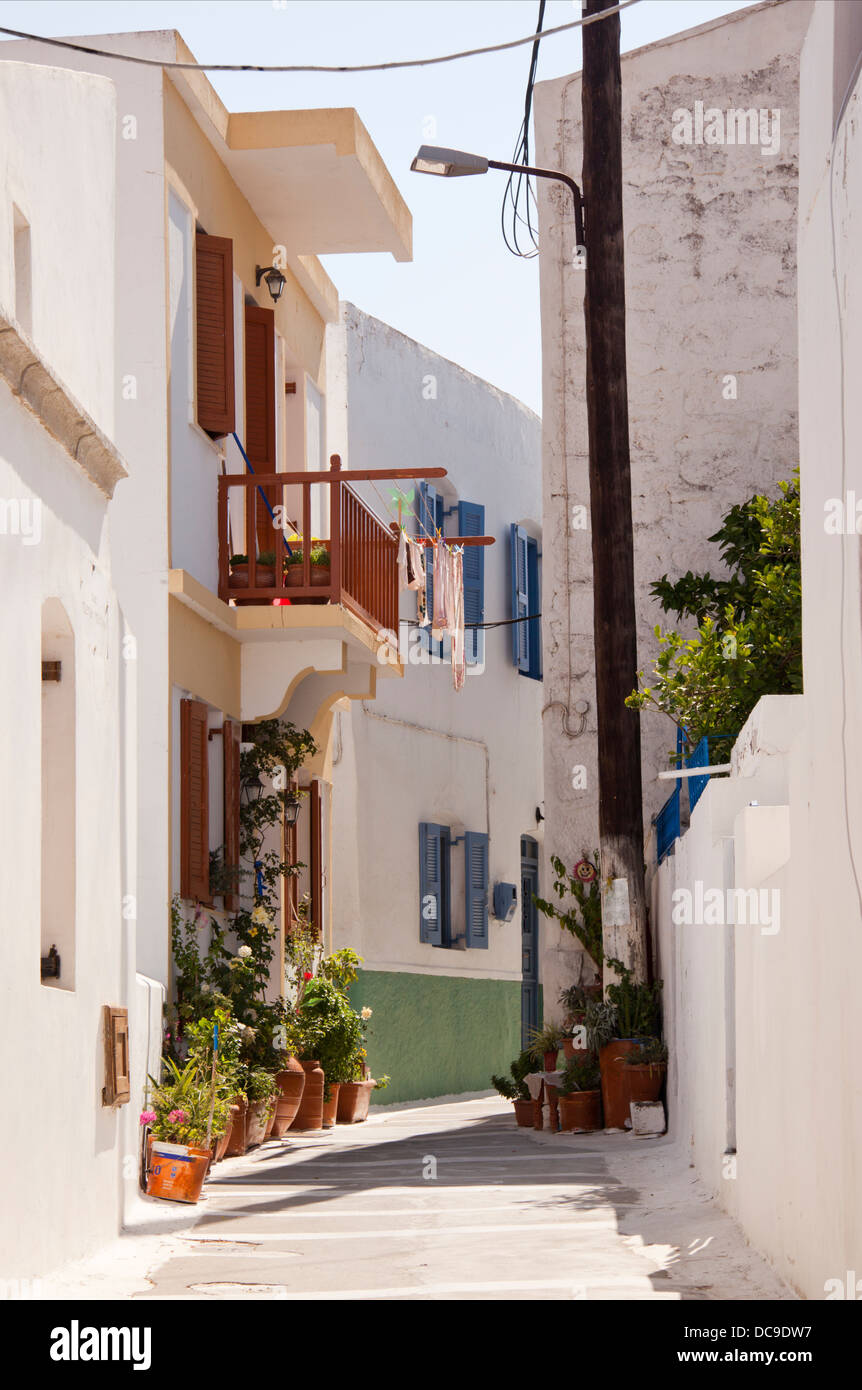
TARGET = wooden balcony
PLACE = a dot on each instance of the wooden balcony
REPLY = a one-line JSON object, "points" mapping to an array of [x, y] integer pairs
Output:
{"points": [[362, 573]]}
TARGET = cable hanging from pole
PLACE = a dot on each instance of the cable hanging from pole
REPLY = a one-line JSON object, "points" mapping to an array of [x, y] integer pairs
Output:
{"points": [[315, 67], [519, 184]]}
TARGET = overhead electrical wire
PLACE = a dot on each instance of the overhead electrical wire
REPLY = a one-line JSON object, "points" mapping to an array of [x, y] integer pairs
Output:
{"points": [[518, 184], [318, 67]]}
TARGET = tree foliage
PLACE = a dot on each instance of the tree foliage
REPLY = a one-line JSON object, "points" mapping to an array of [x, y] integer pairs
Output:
{"points": [[748, 641]]}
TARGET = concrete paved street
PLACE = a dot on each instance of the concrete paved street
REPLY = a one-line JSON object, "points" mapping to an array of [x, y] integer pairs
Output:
{"points": [[449, 1200]]}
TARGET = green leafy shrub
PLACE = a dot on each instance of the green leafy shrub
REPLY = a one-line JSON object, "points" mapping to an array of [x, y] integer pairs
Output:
{"points": [[748, 641], [582, 917], [580, 1074], [513, 1086]]}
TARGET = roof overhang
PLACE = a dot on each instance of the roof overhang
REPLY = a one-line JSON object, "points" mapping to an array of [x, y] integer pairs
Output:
{"points": [[314, 178]]}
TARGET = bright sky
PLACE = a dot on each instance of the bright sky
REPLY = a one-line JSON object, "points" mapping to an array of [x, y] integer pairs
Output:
{"points": [[464, 295]]}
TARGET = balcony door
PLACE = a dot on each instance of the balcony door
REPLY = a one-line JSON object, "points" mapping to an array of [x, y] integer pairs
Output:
{"points": [[260, 430]]}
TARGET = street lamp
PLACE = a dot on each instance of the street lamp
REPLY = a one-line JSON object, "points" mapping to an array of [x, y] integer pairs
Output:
{"points": [[455, 164]]}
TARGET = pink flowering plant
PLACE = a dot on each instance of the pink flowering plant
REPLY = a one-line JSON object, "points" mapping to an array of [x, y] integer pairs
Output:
{"points": [[180, 1106]]}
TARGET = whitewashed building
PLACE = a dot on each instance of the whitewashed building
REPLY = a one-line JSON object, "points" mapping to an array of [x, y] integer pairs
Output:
{"points": [[710, 222], [437, 792], [135, 251], [764, 1089], [67, 696]]}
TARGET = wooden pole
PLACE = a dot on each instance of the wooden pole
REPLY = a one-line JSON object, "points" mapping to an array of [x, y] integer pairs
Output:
{"points": [[620, 798]]}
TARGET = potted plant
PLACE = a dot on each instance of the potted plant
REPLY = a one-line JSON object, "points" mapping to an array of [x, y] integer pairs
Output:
{"points": [[293, 567], [545, 1044], [239, 571], [321, 567], [262, 1092], [580, 1094], [644, 1070], [338, 1037], [184, 1113], [634, 1010], [514, 1088], [264, 571], [575, 1000]]}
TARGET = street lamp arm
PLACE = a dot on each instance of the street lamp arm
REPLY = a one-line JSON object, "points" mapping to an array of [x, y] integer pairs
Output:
{"points": [[550, 174]]}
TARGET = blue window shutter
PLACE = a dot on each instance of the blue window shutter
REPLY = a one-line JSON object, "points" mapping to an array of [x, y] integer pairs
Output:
{"points": [[471, 522], [520, 599], [476, 880], [430, 884], [534, 605]]}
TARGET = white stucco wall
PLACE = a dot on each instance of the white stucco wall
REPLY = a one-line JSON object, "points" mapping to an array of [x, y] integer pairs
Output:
{"points": [[138, 385], [421, 751], [70, 211], [710, 245], [788, 1001], [57, 1138]]}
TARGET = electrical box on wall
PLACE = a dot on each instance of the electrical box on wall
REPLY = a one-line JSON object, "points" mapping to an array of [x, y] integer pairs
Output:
{"points": [[505, 898]]}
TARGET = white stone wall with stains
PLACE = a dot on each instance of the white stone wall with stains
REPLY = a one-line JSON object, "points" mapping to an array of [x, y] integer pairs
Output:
{"points": [[710, 244]]}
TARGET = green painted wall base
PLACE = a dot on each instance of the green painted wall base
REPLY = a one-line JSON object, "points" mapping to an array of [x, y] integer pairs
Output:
{"points": [[437, 1035]]}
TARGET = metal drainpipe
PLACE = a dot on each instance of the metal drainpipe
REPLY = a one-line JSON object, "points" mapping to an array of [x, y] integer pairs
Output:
{"points": [[450, 738]]}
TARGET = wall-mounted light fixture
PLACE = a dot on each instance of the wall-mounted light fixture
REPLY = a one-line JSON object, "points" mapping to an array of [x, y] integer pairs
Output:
{"points": [[275, 281]]}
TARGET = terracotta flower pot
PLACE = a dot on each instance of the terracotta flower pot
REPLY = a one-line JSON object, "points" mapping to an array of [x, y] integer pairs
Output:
{"points": [[256, 1122], [523, 1113], [550, 1059], [581, 1110], [354, 1098], [644, 1082], [237, 1143], [224, 1141], [270, 1121], [615, 1091], [293, 576], [330, 1107], [310, 1112], [238, 577], [320, 575], [291, 1083], [178, 1171]]}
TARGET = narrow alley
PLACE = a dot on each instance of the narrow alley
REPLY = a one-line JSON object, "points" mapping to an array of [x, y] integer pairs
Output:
{"points": [[451, 1200]]}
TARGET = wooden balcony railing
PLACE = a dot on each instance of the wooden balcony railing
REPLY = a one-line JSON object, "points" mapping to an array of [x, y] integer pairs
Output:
{"points": [[362, 573]]}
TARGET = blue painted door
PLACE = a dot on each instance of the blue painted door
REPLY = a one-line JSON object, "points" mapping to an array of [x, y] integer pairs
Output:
{"points": [[529, 939]]}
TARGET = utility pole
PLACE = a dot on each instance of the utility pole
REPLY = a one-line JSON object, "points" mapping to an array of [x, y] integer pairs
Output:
{"points": [[619, 750]]}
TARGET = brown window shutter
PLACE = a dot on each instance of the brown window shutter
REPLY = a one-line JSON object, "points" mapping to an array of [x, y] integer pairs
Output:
{"points": [[231, 740], [117, 1089], [194, 802], [260, 410], [316, 859], [215, 364]]}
